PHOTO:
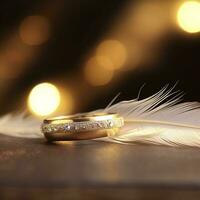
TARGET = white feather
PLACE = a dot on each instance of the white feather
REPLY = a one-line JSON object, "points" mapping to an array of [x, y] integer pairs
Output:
{"points": [[159, 120], [18, 125]]}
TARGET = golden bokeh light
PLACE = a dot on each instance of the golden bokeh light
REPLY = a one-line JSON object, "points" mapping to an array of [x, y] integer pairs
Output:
{"points": [[35, 30], [148, 21], [44, 99], [96, 74], [104, 62], [114, 52], [188, 16]]}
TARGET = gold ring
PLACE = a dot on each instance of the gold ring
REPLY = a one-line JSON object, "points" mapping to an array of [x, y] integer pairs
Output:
{"points": [[81, 127]]}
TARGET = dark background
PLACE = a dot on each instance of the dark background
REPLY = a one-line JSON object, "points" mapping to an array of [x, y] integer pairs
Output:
{"points": [[77, 27]]}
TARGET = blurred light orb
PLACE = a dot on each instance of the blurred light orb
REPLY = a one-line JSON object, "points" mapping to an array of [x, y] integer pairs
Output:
{"points": [[34, 30], [114, 51], [96, 74], [44, 99], [188, 16], [104, 62]]}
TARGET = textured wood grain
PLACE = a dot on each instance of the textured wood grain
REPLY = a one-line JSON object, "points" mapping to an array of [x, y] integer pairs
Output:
{"points": [[95, 168]]}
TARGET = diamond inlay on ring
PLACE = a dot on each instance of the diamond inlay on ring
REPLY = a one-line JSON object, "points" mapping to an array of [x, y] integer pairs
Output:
{"points": [[82, 126]]}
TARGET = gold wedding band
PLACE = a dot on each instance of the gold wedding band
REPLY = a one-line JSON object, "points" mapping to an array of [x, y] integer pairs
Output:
{"points": [[81, 127]]}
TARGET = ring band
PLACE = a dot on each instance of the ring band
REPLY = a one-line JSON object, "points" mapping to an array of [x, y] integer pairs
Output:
{"points": [[79, 127]]}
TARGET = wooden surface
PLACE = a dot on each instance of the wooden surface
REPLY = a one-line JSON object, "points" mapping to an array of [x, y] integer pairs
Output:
{"points": [[34, 169]]}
